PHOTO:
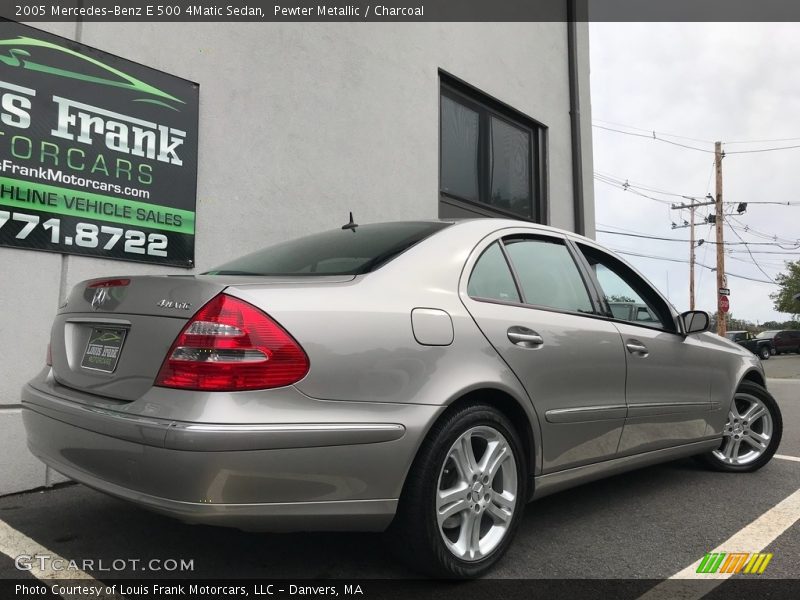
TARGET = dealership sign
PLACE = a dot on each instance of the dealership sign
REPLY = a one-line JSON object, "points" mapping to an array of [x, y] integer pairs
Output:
{"points": [[98, 155]]}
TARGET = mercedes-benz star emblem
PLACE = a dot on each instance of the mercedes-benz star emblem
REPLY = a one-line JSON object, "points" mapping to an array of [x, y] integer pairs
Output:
{"points": [[100, 296]]}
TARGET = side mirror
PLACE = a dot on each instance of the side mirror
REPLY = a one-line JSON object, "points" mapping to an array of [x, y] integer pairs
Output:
{"points": [[695, 321]]}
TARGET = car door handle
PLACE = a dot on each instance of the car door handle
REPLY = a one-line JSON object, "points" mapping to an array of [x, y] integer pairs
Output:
{"points": [[522, 336], [636, 347]]}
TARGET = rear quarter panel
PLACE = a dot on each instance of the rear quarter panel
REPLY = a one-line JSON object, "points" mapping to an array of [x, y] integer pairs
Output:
{"points": [[359, 337]]}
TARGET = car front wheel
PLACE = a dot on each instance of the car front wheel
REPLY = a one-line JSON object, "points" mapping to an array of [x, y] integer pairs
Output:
{"points": [[751, 434], [464, 495], [764, 353]]}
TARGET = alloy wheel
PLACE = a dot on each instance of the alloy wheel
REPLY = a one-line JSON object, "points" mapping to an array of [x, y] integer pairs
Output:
{"points": [[747, 433], [476, 495]]}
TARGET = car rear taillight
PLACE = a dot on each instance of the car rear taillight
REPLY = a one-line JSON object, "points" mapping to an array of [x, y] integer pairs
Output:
{"points": [[231, 345]]}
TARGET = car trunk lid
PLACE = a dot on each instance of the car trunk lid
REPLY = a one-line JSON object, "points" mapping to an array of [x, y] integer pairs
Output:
{"points": [[112, 335]]}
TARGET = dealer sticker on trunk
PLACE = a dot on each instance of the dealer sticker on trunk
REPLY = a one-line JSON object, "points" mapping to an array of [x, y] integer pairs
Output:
{"points": [[103, 349]]}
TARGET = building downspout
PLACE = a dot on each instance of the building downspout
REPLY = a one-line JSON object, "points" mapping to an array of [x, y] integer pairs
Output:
{"points": [[575, 118]]}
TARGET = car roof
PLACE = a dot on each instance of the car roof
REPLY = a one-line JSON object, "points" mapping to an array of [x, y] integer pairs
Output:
{"points": [[491, 224]]}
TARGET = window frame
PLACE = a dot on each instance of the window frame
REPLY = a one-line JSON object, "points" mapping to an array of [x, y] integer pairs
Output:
{"points": [[645, 290], [487, 107], [499, 242], [549, 238]]}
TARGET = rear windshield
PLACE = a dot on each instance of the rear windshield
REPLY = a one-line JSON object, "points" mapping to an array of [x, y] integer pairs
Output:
{"points": [[767, 334], [335, 252]]}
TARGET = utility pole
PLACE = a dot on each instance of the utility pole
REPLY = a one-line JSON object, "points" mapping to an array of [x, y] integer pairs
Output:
{"points": [[692, 244], [691, 258], [721, 324]]}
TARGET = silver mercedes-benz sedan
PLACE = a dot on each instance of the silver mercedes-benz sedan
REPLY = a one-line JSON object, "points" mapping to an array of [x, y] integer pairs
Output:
{"points": [[425, 378]]}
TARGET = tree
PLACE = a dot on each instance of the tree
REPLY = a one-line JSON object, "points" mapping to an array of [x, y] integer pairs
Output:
{"points": [[789, 283], [734, 323], [620, 298]]}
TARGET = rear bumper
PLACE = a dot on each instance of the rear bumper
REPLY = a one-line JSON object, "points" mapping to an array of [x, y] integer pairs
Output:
{"points": [[342, 471]]}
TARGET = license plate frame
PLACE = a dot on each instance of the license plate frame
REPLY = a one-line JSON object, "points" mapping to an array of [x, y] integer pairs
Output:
{"points": [[103, 341]]}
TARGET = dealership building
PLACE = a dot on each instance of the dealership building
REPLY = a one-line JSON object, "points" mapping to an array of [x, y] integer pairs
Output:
{"points": [[260, 132]]}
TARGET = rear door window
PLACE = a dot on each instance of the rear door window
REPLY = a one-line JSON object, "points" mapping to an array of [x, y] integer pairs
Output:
{"points": [[491, 278], [547, 274]]}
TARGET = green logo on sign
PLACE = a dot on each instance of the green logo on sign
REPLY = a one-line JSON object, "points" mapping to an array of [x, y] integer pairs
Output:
{"points": [[107, 336], [16, 56]]}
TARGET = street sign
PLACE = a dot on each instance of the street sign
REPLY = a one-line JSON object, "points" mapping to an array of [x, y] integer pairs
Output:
{"points": [[724, 304], [724, 291]]}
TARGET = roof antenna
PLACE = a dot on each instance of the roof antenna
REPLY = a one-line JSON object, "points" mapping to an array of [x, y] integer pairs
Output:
{"points": [[351, 225]]}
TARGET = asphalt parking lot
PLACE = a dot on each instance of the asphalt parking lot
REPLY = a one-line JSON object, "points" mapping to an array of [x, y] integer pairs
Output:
{"points": [[648, 524]]}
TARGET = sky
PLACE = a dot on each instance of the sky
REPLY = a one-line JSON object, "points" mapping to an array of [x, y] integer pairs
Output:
{"points": [[694, 84]]}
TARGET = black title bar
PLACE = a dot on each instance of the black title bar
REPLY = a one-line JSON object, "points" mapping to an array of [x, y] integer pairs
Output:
{"points": [[401, 10]]}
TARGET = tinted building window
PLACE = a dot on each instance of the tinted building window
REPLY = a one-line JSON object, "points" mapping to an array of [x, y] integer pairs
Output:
{"points": [[459, 150], [510, 168], [490, 157]]}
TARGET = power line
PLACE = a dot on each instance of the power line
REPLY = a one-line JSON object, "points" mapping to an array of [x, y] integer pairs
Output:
{"points": [[769, 263], [783, 252], [641, 235], [788, 203], [675, 135], [626, 183], [762, 150], [793, 139], [628, 188], [640, 186], [653, 137], [745, 227], [710, 176], [708, 233], [630, 233], [753, 258], [678, 260]]}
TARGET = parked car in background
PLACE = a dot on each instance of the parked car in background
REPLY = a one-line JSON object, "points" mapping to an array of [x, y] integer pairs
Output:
{"points": [[429, 378], [632, 311], [782, 341], [761, 347]]}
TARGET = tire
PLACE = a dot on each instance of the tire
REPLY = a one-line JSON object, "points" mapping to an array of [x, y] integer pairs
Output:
{"points": [[773, 351], [764, 353], [445, 550], [768, 429]]}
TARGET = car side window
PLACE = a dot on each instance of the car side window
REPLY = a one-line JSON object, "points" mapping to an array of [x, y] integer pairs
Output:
{"points": [[491, 277], [626, 293], [643, 314], [547, 274]]}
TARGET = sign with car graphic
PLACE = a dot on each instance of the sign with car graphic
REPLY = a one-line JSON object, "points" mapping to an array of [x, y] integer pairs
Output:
{"points": [[102, 351], [98, 155]]}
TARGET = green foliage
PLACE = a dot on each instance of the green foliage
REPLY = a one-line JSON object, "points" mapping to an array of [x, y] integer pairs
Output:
{"points": [[780, 325], [789, 283], [619, 298]]}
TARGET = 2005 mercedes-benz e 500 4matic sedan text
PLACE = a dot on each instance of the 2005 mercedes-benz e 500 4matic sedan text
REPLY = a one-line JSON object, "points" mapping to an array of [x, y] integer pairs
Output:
{"points": [[425, 378]]}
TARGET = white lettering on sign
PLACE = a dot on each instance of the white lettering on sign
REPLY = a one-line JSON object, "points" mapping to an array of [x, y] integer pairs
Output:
{"points": [[83, 123]]}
